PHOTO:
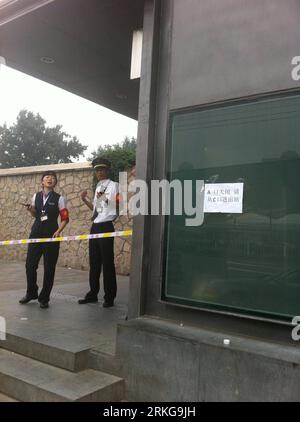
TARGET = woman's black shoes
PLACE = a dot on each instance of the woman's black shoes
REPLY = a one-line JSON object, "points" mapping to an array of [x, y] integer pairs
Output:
{"points": [[27, 298]]}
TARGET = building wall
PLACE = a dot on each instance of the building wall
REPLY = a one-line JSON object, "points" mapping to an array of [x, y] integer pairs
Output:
{"points": [[18, 185], [177, 363], [231, 49], [207, 51]]}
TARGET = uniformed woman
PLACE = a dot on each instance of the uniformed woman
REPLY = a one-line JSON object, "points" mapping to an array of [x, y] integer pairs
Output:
{"points": [[46, 206]]}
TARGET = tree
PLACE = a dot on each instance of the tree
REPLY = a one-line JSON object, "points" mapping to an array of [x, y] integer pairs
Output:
{"points": [[121, 155], [28, 142]]}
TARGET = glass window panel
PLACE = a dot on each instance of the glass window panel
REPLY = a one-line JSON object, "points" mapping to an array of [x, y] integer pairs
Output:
{"points": [[250, 262]]}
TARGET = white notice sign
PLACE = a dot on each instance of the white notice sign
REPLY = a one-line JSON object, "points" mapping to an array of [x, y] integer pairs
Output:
{"points": [[224, 197]]}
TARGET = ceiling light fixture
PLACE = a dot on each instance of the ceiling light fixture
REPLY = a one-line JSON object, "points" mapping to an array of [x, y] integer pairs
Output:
{"points": [[121, 96], [47, 60]]}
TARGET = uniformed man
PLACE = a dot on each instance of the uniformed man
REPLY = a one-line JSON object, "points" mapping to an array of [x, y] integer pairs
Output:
{"points": [[46, 206], [101, 251]]}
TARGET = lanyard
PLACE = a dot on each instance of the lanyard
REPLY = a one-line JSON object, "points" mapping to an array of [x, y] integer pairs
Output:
{"points": [[95, 212], [45, 199]]}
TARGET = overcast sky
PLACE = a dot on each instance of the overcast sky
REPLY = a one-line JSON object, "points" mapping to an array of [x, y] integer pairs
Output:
{"points": [[92, 124]]}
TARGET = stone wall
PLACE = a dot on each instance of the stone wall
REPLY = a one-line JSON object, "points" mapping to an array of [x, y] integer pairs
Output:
{"points": [[18, 185]]}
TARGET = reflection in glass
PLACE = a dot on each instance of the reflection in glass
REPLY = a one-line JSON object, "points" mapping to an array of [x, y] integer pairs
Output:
{"points": [[247, 262]]}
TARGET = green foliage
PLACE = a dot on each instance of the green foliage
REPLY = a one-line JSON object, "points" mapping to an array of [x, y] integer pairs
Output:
{"points": [[29, 142], [121, 156]]}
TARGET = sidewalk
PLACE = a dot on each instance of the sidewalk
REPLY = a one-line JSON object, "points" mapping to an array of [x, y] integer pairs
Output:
{"points": [[65, 324]]}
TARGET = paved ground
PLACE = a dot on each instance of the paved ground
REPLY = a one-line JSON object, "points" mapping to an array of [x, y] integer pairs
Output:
{"points": [[64, 322]]}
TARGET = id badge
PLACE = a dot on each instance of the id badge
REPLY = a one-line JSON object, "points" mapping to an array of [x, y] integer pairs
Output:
{"points": [[44, 217], [100, 209]]}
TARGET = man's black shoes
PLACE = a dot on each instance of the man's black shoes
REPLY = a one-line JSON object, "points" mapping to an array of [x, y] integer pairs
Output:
{"points": [[87, 300], [27, 299], [91, 300], [44, 305]]}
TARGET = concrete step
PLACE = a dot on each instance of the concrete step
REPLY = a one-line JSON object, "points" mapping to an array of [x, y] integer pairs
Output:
{"points": [[105, 362], [57, 350], [6, 399], [28, 380]]}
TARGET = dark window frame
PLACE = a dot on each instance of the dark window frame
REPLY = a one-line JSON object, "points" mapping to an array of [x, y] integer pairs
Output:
{"points": [[201, 306]]}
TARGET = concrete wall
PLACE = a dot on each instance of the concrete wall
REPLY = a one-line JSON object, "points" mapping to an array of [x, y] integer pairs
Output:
{"points": [[209, 52], [173, 362], [18, 185], [231, 48], [197, 53]]}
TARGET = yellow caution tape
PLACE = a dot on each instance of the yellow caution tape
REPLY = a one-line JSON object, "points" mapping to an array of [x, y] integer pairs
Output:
{"points": [[67, 238]]}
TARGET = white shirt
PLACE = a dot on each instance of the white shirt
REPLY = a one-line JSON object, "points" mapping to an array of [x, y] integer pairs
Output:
{"points": [[105, 204], [62, 202]]}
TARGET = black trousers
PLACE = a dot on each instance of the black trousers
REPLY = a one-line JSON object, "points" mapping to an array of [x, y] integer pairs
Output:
{"points": [[101, 252], [50, 252]]}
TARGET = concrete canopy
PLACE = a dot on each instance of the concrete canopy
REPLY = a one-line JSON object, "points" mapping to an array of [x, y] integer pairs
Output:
{"points": [[89, 41]]}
